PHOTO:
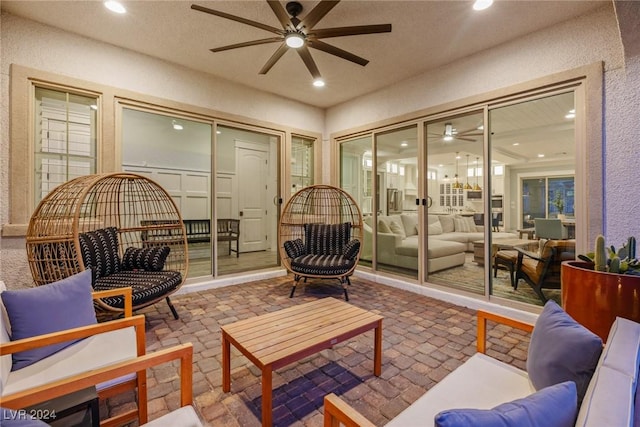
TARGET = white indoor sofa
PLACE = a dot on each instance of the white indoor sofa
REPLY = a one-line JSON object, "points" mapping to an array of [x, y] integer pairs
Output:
{"points": [[447, 244]]}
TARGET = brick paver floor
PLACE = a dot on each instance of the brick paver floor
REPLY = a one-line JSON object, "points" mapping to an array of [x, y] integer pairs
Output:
{"points": [[423, 340]]}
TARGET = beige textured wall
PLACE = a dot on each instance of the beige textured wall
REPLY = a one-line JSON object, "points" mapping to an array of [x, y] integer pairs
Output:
{"points": [[585, 40], [45, 48]]}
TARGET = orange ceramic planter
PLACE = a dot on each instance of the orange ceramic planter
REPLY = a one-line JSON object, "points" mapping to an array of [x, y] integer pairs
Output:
{"points": [[595, 298]]}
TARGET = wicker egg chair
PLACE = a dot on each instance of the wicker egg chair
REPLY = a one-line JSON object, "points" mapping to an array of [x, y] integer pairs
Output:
{"points": [[123, 226], [320, 231]]}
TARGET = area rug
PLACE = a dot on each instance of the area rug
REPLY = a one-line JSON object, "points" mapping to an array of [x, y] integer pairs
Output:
{"points": [[470, 277]]}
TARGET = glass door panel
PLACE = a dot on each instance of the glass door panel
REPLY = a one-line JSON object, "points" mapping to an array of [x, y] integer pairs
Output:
{"points": [[301, 163], [356, 178], [456, 217], [176, 153], [533, 142], [246, 194], [398, 231]]}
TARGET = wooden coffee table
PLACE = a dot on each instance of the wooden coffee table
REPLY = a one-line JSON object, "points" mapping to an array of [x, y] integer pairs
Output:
{"points": [[277, 339]]}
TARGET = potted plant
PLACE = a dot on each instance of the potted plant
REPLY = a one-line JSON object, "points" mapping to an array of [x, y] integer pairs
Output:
{"points": [[558, 202], [602, 285]]}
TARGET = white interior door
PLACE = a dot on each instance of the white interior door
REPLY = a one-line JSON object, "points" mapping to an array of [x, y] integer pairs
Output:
{"points": [[252, 167]]}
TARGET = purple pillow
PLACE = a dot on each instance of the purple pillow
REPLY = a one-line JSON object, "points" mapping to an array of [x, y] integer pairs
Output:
{"points": [[49, 308], [554, 406], [561, 350]]}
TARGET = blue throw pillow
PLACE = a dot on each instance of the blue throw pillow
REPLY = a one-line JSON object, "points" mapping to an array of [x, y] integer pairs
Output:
{"points": [[561, 350], [554, 406], [49, 308]]}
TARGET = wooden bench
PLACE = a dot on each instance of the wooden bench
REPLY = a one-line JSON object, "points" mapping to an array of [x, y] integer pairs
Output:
{"points": [[197, 230], [229, 231]]}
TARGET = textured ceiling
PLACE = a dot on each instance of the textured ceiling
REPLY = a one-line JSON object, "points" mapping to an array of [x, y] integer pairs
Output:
{"points": [[425, 35]]}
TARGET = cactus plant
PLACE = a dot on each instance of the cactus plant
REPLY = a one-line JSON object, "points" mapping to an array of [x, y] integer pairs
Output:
{"points": [[599, 258], [609, 259]]}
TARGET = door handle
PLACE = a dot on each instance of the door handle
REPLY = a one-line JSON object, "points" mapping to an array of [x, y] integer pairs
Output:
{"points": [[241, 213]]}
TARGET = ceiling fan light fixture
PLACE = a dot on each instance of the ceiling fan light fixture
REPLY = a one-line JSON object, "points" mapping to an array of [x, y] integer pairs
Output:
{"points": [[115, 6], [482, 4], [294, 40], [318, 83]]}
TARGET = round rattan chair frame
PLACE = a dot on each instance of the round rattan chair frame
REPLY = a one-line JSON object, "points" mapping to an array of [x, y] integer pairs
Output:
{"points": [[324, 204], [143, 213]]}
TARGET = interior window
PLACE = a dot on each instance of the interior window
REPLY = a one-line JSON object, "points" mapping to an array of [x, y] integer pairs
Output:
{"points": [[65, 138]]}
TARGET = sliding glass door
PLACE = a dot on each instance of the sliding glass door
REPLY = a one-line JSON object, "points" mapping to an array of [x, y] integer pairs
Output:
{"points": [[457, 216], [533, 144], [176, 153]]}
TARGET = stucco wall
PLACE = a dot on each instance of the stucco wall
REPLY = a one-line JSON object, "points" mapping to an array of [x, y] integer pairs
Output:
{"points": [[588, 39], [45, 48]]}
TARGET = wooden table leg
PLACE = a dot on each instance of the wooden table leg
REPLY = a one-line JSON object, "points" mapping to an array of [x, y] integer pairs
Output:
{"points": [[377, 357], [226, 363], [267, 404]]}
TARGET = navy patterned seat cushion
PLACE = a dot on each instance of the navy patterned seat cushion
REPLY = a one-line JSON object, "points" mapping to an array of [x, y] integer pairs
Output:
{"points": [[99, 250], [146, 285], [322, 265], [326, 239], [149, 259]]}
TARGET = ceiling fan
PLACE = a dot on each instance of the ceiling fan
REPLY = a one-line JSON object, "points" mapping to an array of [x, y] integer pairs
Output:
{"points": [[450, 133], [299, 34]]}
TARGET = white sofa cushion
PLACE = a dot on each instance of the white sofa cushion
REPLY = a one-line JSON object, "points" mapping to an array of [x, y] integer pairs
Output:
{"points": [[182, 417], [397, 229], [622, 351], [481, 382], [410, 224], [5, 332], [447, 223], [91, 353], [609, 400], [440, 248]]}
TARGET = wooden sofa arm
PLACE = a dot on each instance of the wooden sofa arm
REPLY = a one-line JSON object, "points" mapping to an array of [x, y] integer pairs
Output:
{"points": [[337, 412], [483, 316], [78, 333], [127, 293], [183, 352]]}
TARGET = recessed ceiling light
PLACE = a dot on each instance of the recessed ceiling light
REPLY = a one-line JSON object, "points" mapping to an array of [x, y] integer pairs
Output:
{"points": [[218, 132], [540, 155], [115, 6], [403, 144], [482, 4], [93, 106], [176, 125], [516, 143], [318, 83], [481, 127]]}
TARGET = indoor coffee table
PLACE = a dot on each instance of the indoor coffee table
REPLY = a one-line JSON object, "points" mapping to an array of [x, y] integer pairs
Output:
{"points": [[277, 339]]}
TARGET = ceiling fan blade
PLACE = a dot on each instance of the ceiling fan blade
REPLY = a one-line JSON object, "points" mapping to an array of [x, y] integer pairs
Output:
{"points": [[317, 13], [309, 62], [245, 44], [274, 58], [280, 13], [464, 139], [475, 131], [350, 31], [260, 25], [317, 44]]}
